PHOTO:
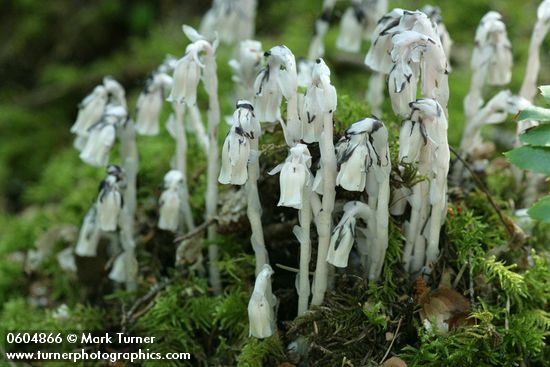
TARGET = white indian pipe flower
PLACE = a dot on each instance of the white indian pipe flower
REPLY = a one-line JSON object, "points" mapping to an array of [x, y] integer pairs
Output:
{"points": [[246, 64], [187, 74], [268, 96], [493, 51], [235, 156], [320, 98], [125, 267], [434, 13], [378, 57], [343, 235], [231, 20], [149, 104], [322, 24], [109, 201], [90, 110], [116, 92], [354, 156], [102, 136], [90, 234], [170, 201], [237, 150], [351, 28], [295, 175], [66, 260], [261, 312]]}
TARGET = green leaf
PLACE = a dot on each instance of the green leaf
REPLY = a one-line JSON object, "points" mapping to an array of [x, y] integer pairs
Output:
{"points": [[534, 113], [541, 210], [537, 136], [545, 91], [532, 158]]}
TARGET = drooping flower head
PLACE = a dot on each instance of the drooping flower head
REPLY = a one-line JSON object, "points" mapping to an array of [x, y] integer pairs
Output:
{"points": [[261, 313], [378, 57], [89, 236], [358, 22], [434, 13], [109, 200], [493, 51], [188, 70], [237, 148], [320, 98], [231, 20], [343, 235], [90, 110], [355, 154], [295, 175], [279, 78], [170, 201], [149, 104], [102, 136], [246, 64]]}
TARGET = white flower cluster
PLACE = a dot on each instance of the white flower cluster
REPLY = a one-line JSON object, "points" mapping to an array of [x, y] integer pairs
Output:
{"points": [[359, 22]]}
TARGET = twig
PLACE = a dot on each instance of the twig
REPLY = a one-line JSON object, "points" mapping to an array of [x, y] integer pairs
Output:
{"points": [[392, 341], [196, 231], [483, 188], [155, 289]]}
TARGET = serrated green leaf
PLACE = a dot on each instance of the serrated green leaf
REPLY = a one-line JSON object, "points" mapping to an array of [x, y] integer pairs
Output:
{"points": [[536, 159], [541, 210], [534, 113], [537, 136], [545, 91]]}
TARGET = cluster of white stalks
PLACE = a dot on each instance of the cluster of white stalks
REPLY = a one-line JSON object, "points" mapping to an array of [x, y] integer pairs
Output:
{"points": [[102, 117], [408, 49], [492, 66]]}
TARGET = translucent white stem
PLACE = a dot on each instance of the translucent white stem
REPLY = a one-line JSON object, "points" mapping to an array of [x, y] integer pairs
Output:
{"points": [[529, 86], [181, 164], [198, 127], [324, 218], [254, 208], [130, 163], [211, 86], [382, 220], [317, 45], [375, 93], [303, 234]]}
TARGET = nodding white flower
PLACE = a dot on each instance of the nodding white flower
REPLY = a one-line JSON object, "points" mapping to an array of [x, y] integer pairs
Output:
{"points": [[109, 201], [434, 13], [320, 98], [543, 11], [102, 136], [493, 51], [116, 92], [246, 65], [351, 28], [125, 267], [378, 57], [187, 74], [403, 79], [279, 78], [237, 150], [149, 104], [66, 260], [89, 236], [170, 201], [343, 235], [235, 155], [359, 21], [90, 110], [356, 154], [261, 313], [230, 20], [295, 175]]}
